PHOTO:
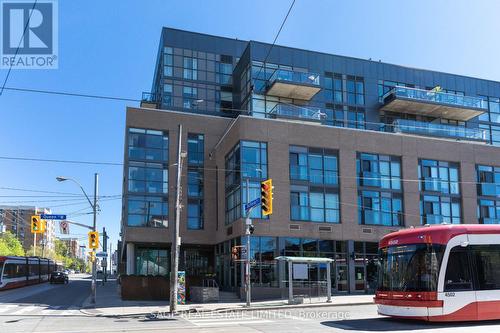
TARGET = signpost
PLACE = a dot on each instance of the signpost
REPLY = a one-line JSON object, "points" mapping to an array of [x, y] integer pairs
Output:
{"points": [[252, 204], [52, 217], [102, 255]]}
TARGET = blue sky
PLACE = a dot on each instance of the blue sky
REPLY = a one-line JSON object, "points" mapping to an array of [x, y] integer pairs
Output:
{"points": [[109, 48]]}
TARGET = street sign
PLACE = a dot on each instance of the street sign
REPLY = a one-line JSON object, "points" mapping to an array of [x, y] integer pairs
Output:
{"points": [[252, 204], [102, 254], [53, 217], [64, 227]]}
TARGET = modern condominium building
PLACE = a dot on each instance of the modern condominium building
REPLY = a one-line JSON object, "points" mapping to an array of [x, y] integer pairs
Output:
{"points": [[356, 149]]}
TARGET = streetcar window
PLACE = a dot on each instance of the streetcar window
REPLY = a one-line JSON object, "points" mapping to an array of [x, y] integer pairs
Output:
{"points": [[458, 273], [487, 266], [11, 271]]}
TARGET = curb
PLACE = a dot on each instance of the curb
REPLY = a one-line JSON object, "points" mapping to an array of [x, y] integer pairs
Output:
{"points": [[85, 311]]}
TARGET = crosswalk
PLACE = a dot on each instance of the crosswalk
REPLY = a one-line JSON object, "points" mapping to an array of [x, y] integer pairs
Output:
{"points": [[224, 319], [37, 310]]}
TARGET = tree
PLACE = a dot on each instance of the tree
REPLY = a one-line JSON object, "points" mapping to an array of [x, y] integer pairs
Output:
{"points": [[10, 245]]}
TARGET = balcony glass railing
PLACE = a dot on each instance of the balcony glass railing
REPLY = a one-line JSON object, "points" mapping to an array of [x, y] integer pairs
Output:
{"points": [[432, 184], [296, 112], [433, 219], [437, 97], [438, 130], [489, 189], [489, 220], [377, 217], [148, 97], [295, 77]]}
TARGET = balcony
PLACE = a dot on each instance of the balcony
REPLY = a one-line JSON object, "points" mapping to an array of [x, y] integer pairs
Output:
{"points": [[433, 219], [489, 220], [150, 100], [439, 130], [295, 112], [296, 85], [433, 104], [488, 189]]}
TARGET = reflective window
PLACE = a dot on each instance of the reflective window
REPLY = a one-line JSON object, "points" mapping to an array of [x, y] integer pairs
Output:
{"points": [[381, 171], [147, 211], [487, 260], [319, 166], [314, 204], [440, 209], [151, 261], [380, 208], [247, 160], [145, 144], [195, 180], [458, 271], [439, 176], [190, 68], [147, 177]]}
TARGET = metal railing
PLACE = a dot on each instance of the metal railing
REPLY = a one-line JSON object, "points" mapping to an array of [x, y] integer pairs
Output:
{"points": [[149, 97], [296, 112], [437, 97], [438, 130], [297, 77]]}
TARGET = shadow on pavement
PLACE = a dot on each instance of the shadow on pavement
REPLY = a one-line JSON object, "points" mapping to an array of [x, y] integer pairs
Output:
{"points": [[388, 324]]}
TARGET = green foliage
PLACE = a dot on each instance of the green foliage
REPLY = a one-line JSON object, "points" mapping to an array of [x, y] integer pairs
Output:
{"points": [[10, 245]]}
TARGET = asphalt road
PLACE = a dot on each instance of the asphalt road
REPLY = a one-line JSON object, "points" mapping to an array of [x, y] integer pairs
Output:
{"points": [[55, 309]]}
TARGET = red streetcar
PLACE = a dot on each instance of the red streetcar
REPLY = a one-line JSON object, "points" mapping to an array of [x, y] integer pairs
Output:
{"points": [[18, 272], [440, 273]]}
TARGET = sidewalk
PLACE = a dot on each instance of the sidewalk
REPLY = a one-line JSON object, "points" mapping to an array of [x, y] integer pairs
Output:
{"points": [[109, 303]]}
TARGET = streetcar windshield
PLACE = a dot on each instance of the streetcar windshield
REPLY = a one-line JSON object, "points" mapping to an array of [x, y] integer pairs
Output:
{"points": [[410, 267]]}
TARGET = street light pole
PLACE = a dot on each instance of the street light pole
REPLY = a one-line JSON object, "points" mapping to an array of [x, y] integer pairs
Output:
{"points": [[248, 223], [94, 226]]}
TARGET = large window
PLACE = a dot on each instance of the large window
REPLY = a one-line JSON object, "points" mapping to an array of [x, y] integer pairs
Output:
{"points": [[458, 271], [355, 90], [380, 208], [151, 261], [380, 171], [195, 181], [380, 196], [246, 161], [264, 271], [146, 144], [488, 181], [439, 209], [314, 165], [439, 176], [410, 267], [168, 61], [488, 211], [314, 193], [316, 204], [190, 68], [147, 211], [147, 178], [487, 259]]}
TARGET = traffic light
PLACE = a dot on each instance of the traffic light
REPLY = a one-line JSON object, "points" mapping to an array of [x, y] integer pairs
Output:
{"points": [[266, 197], [36, 224], [93, 240], [43, 226], [92, 256], [234, 253]]}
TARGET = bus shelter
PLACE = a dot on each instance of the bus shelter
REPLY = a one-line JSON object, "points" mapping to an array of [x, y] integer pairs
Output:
{"points": [[307, 260]]}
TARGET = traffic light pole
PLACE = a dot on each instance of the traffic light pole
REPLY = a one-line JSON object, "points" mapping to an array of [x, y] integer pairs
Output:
{"points": [[94, 228], [248, 223]]}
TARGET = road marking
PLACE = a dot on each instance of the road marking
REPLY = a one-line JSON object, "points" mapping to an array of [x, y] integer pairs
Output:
{"points": [[7, 307], [23, 310], [50, 310], [221, 320]]}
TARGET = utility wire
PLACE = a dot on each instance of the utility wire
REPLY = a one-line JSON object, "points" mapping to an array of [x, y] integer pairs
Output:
{"points": [[18, 46], [275, 38], [32, 159], [73, 94]]}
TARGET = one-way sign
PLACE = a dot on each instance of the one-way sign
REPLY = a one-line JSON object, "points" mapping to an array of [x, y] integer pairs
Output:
{"points": [[52, 217]]}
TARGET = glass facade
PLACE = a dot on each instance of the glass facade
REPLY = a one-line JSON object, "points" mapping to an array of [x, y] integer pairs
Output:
{"points": [[246, 161], [380, 195], [147, 178], [195, 181], [440, 200], [488, 191], [314, 192], [152, 261]]}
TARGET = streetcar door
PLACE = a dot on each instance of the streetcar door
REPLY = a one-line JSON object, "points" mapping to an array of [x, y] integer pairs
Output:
{"points": [[459, 295], [487, 267]]}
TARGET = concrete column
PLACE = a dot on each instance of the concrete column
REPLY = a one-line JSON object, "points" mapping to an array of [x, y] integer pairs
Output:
{"points": [[328, 283], [350, 267], [130, 258], [290, 283]]}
